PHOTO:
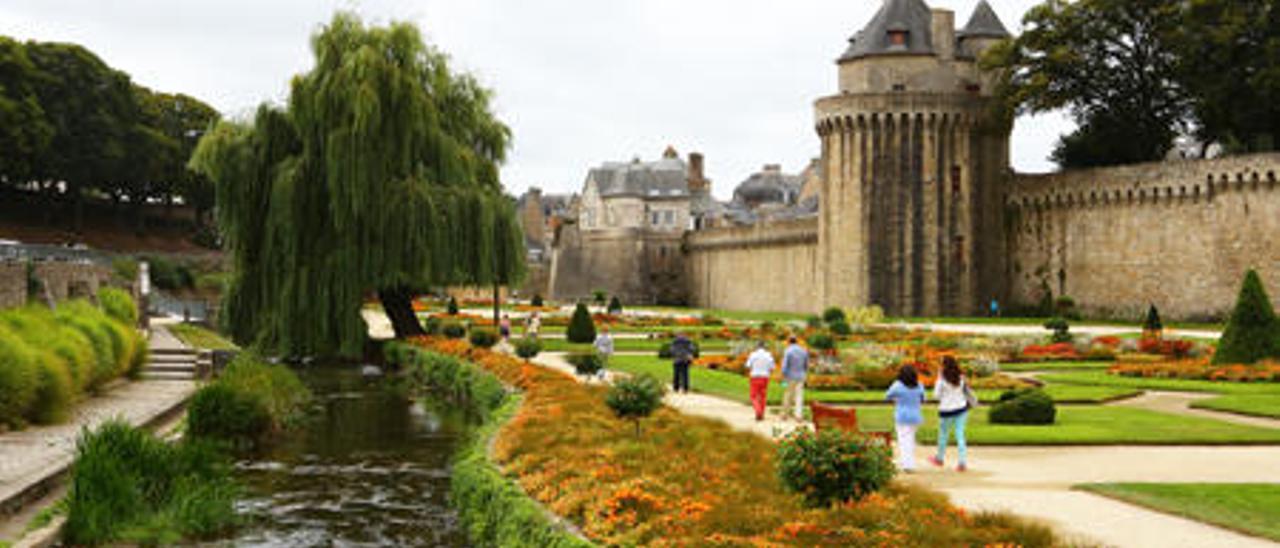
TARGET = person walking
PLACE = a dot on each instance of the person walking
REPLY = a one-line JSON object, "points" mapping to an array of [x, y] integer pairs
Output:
{"points": [[907, 396], [533, 326], [682, 354], [604, 349], [504, 328], [954, 401], [761, 365], [795, 368]]}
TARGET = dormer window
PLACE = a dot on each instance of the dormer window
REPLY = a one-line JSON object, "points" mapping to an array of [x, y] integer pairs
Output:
{"points": [[898, 38]]}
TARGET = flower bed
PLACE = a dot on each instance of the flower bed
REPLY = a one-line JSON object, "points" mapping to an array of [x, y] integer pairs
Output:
{"points": [[566, 450], [1200, 369]]}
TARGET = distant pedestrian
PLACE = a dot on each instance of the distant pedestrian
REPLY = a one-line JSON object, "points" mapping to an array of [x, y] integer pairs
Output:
{"points": [[795, 368], [761, 365], [504, 328], [604, 349], [995, 308], [907, 396], [533, 325], [954, 401], [682, 354]]}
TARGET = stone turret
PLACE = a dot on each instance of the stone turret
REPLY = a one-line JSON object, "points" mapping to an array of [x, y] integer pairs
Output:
{"points": [[913, 167]]}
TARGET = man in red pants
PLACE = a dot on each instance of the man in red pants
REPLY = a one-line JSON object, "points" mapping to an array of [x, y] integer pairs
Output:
{"points": [[761, 365]]}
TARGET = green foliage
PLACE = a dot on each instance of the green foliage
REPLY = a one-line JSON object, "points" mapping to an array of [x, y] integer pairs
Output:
{"points": [[250, 401], [432, 325], [586, 363], [453, 330], [276, 386], [537, 300], [582, 329], [833, 466], [380, 173], [119, 304], [483, 338], [452, 307], [459, 381], [126, 485], [841, 328], [821, 342], [1028, 406], [813, 322], [169, 275], [599, 296], [125, 269], [634, 398], [528, 348], [1061, 330], [615, 305], [196, 336], [1253, 332], [1152, 322], [834, 315], [19, 378]]}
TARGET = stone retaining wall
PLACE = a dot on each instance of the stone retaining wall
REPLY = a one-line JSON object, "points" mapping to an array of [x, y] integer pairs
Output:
{"points": [[767, 267]]}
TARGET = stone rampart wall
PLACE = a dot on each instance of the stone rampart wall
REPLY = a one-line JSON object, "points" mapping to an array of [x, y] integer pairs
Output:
{"points": [[13, 284], [59, 281], [1177, 234], [767, 267], [639, 266]]}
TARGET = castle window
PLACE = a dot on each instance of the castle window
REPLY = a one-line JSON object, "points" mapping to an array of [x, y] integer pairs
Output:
{"points": [[899, 87], [654, 218], [898, 38], [955, 179], [669, 217]]}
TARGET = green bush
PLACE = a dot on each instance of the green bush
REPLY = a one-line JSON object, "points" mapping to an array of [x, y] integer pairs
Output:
{"points": [[537, 301], [634, 398], [19, 379], [587, 363], [129, 487], [432, 325], [452, 307], [833, 466], [615, 305], [275, 386], [813, 322], [1061, 330], [483, 338], [841, 328], [222, 413], [581, 327], [1152, 322], [1028, 406], [453, 330], [459, 381], [1253, 332], [125, 269], [118, 304], [169, 275], [528, 348], [834, 315], [56, 391], [821, 342], [599, 296]]}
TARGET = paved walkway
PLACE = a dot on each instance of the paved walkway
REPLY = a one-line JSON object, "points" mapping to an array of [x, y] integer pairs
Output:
{"points": [[1036, 481], [1037, 330], [1179, 403]]}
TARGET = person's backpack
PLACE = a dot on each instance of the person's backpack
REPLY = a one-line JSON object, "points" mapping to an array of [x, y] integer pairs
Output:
{"points": [[681, 351]]}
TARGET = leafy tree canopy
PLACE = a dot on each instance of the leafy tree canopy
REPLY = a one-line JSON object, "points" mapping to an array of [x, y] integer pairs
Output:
{"points": [[378, 175]]}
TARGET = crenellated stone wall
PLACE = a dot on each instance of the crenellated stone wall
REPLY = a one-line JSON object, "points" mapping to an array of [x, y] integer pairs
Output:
{"points": [[1176, 234], [768, 266]]}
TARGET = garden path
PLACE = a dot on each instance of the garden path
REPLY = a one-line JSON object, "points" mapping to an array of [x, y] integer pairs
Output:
{"points": [[1036, 482], [1179, 403], [1036, 330]]}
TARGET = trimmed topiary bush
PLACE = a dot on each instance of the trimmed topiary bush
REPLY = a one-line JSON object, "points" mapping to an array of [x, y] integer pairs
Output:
{"points": [[1061, 330], [586, 364], [635, 398], [1028, 406], [537, 301], [814, 322], [821, 342], [118, 304], [453, 306], [841, 328], [615, 305], [582, 329], [483, 338], [833, 466], [1253, 332], [528, 348], [1152, 322], [453, 330], [834, 315]]}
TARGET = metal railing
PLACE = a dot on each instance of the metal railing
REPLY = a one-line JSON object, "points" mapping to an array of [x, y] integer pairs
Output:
{"points": [[49, 253]]}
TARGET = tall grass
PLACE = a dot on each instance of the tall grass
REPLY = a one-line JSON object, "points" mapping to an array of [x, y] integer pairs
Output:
{"points": [[49, 360], [128, 486], [251, 400]]}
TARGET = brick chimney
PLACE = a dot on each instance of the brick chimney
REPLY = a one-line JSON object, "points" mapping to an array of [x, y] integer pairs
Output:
{"points": [[697, 176]]}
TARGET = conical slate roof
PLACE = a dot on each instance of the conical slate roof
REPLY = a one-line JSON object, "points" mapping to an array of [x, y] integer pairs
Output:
{"points": [[984, 23], [910, 16]]}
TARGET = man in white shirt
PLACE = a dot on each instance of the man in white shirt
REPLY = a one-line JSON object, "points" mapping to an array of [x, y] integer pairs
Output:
{"points": [[761, 365]]}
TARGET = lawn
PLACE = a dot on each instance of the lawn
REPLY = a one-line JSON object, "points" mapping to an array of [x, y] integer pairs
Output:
{"points": [[1054, 366], [630, 345], [1264, 405], [199, 337], [1251, 508], [1101, 378], [1091, 425], [737, 387]]}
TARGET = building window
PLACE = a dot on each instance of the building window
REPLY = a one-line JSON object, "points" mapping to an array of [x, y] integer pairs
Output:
{"points": [[669, 217], [898, 38], [955, 179], [899, 87], [653, 218]]}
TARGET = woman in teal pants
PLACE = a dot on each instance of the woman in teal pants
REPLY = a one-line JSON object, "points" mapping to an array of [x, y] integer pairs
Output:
{"points": [[952, 392]]}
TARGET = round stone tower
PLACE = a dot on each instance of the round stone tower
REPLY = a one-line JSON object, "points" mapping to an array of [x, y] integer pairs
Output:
{"points": [[914, 166]]}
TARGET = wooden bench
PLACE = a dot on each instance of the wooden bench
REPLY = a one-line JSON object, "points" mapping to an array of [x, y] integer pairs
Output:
{"points": [[826, 416]]}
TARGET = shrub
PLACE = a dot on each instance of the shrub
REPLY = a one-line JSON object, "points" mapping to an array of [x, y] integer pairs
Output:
{"points": [[431, 325], [220, 412], [19, 378], [537, 300], [452, 307], [275, 386], [866, 315], [833, 466], [1028, 406], [461, 382], [581, 327], [822, 342], [528, 348], [118, 304], [1251, 334], [1061, 330], [169, 275], [483, 338], [834, 315], [1065, 307], [55, 392], [635, 398], [841, 328], [587, 363], [813, 322], [1152, 323], [453, 330], [125, 269], [598, 296], [615, 306]]}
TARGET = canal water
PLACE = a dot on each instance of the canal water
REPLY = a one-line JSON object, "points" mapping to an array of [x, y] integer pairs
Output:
{"points": [[371, 468]]}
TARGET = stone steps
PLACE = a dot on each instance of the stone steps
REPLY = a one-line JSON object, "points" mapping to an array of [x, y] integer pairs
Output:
{"points": [[176, 364]]}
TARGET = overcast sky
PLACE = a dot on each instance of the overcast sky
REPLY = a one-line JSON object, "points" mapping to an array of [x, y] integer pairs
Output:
{"points": [[579, 81]]}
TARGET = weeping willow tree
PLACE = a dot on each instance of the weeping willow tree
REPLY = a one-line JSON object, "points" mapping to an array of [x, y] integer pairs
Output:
{"points": [[379, 175]]}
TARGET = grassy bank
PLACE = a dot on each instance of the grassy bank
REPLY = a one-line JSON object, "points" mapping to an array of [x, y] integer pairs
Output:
{"points": [[200, 337], [249, 403], [1262, 405], [1253, 509], [1102, 378]]}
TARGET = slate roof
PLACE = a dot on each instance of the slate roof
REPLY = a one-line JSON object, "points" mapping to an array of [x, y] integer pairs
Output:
{"points": [[911, 16], [984, 24], [664, 178], [769, 187]]}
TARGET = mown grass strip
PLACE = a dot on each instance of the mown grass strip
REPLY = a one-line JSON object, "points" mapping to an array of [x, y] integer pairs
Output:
{"points": [[1253, 509]]}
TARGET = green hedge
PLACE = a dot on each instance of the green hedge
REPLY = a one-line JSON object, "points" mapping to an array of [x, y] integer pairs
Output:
{"points": [[251, 400], [492, 507], [49, 360]]}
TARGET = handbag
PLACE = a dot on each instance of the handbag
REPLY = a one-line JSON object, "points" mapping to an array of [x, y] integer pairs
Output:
{"points": [[970, 398]]}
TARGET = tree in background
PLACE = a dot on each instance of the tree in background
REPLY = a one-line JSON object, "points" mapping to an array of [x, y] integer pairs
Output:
{"points": [[24, 132], [1252, 333], [380, 174], [582, 329], [1110, 64]]}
